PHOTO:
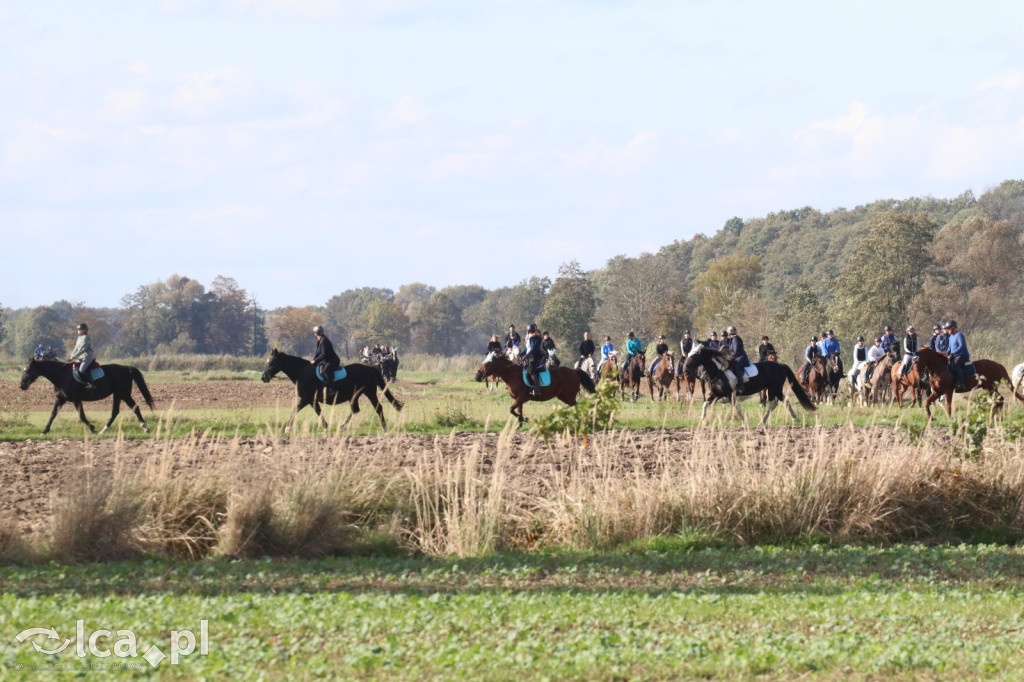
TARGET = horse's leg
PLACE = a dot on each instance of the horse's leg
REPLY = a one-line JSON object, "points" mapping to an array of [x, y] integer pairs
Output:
{"points": [[372, 397], [113, 413], [81, 416], [134, 407], [704, 410], [770, 404], [300, 402], [518, 404], [57, 404], [736, 406]]}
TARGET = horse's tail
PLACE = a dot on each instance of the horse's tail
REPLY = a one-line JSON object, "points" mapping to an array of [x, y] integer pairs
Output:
{"points": [[586, 381], [798, 390], [143, 389], [383, 385]]}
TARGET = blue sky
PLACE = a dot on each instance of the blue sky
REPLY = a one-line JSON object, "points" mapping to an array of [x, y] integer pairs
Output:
{"points": [[305, 147]]}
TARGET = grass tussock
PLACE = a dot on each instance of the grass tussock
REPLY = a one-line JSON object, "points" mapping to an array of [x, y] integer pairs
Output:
{"points": [[315, 495]]}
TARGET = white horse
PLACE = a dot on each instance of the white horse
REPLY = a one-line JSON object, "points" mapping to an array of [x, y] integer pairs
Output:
{"points": [[1017, 381]]}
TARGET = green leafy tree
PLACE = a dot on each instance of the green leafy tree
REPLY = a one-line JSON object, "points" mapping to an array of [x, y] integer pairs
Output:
{"points": [[229, 320], [386, 323], [570, 304], [799, 316], [345, 316], [42, 324], [439, 329], [885, 271], [630, 296], [719, 291], [291, 329]]}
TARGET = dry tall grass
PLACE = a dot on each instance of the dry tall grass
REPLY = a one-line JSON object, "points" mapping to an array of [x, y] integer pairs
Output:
{"points": [[472, 494]]}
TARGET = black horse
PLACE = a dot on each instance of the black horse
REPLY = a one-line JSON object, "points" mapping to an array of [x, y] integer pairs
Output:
{"points": [[771, 376], [360, 380], [117, 381], [389, 365]]}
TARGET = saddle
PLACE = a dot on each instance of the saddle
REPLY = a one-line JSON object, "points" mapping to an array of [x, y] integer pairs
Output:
{"points": [[95, 372], [543, 378], [339, 374]]}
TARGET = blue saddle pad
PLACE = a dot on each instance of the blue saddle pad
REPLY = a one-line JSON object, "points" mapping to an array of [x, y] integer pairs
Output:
{"points": [[94, 374], [544, 378], [970, 370], [339, 374]]}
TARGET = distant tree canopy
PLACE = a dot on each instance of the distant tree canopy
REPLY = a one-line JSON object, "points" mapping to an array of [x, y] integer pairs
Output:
{"points": [[788, 274]]}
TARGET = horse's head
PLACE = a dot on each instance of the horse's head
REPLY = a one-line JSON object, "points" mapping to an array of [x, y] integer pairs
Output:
{"points": [[32, 371], [489, 365], [273, 366]]}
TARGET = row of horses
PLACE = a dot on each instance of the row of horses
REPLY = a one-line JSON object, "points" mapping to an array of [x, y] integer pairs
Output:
{"points": [[709, 368]]}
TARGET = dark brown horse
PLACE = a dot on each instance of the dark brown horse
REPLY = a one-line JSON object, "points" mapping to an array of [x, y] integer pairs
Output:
{"points": [[663, 376], [630, 378], [989, 374], [916, 381], [817, 380], [117, 381], [565, 383], [609, 369]]}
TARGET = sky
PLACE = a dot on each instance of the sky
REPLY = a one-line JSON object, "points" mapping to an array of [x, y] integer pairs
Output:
{"points": [[306, 147]]}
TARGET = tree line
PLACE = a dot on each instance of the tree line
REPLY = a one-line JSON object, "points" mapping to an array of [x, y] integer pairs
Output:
{"points": [[789, 274]]}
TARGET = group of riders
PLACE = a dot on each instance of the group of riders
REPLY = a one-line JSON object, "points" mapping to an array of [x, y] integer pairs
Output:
{"points": [[946, 339], [537, 351]]}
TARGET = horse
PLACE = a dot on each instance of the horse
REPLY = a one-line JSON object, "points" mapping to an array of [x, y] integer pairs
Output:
{"points": [[662, 376], [632, 375], [609, 369], [817, 379], [916, 380], [688, 377], [1017, 381], [588, 365], [565, 383], [771, 376], [988, 375], [833, 375], [360, 379], [117, 380], [389, 365]]}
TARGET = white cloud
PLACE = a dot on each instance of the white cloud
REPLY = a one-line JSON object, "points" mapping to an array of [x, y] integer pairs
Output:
{"points": [[200, 93], [1007, 81], [409, 109], [123, 104]]}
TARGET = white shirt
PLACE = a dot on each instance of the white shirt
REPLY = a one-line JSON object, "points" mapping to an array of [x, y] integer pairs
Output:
{"points": [[875, 354]]}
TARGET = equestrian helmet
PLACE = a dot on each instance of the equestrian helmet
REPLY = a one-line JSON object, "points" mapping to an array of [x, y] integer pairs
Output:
{"points": [[83, 326], [661, 336], [319, 329], [888, 328], [878, 339], [630, 334], [951, 324], [910, 328], [731, 329], [830, 333], [937, 327], [814, 337], [607, 338], [532, 327], [860, 338]]}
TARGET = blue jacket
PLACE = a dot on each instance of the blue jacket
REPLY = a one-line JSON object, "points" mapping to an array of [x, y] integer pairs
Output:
{"points": [[831, 346], [634, 346], [737, 353], [939, 342], [607, 349], [890, 341], [958, 346], [811, 352]]}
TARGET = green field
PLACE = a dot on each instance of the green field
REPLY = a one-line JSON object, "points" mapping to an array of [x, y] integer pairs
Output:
{"points": [[901, 612]]}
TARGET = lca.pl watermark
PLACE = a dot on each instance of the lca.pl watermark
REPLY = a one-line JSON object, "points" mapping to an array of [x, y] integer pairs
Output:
{"points": [[100, 645]]}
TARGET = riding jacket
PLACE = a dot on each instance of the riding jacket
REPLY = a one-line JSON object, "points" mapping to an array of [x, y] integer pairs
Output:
{"points": [[958, 346], [634, 346], [586, 348], [831, 346], [860, 354], [325, 352], [737, 355], [911, 345], [493, 347], [82, 352], [606, 350], [875, 353], [512, 340], [764, 350], [812, 352], [889, 341], [661, 348], [939, 342], [686, 345]]}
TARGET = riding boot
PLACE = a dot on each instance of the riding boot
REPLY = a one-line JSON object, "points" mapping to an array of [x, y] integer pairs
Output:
{"points": [[534, 384]]}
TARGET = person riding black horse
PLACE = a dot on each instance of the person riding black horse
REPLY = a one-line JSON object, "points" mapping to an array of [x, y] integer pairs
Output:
{"points": [[957, 353], [536, 357], [325, 358], [811, 353], [82, 356], [738, 359]]}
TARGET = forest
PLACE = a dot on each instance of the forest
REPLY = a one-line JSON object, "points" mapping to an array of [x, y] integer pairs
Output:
{"points": [[787, 275]]}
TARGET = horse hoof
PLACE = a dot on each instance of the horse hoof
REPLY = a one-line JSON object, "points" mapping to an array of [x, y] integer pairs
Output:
{"points": [[103, 430]]}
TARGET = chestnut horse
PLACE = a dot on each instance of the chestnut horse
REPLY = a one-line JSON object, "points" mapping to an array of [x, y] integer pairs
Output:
{"points": [[989, 374], [662, 376], [817, 380], [916, 380], [688, 376], [565, 383]]}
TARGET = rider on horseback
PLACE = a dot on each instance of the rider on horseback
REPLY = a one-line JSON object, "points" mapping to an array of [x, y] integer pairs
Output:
{"points": [[325, 357], [889, 340], [875, 355], [712, 342], [686, 344], [958, 354], [860, 358], [911, 343], [738, 359], [765, 349], [832, 349], [512, 340], [535, 357], [939, 341], [607, 348], [494, 345], [633, 346], [811, 353], [586, 349], [83, 355], [659, 351]]}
